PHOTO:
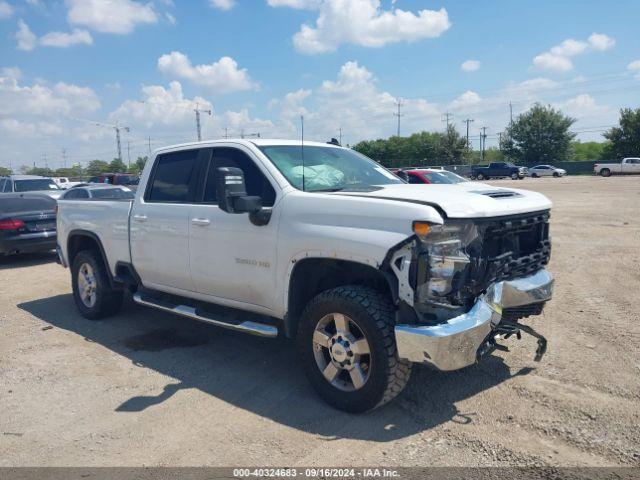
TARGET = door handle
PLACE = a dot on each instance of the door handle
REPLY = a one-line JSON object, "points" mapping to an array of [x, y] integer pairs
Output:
{"points": [[140, 218], [201, 222]]}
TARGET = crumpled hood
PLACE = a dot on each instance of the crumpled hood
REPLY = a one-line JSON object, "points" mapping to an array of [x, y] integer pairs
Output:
{"points": [[464, 200]]}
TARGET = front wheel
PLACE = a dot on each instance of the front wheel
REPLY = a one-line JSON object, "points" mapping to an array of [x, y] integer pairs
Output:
{"points": [[534, 175], [481, 177], [556, 175], [514, 176], [347, 346], [92, 292]]}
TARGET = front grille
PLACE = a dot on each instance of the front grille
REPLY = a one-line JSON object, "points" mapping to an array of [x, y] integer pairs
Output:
{"points": [[514, 246]]}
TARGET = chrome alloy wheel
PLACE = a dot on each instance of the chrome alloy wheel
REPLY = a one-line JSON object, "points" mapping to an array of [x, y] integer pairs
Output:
{"points": [[342, 352], [87, 285]]}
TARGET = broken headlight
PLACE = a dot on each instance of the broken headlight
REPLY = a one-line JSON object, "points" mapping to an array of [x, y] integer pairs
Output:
{"points": [[443, 266]]}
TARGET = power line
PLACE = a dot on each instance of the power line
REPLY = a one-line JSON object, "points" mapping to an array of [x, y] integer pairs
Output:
{"points": [[399, 103]]}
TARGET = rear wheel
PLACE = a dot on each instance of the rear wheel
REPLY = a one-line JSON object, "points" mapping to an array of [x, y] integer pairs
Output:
{"points": [[534, 175], [556, 174], [347, 346], [514, 176], [481, 176], [92, 292], [605, 172]]}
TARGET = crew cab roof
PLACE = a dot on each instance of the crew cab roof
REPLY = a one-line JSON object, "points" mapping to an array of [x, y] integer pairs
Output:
{"points": [[259, 142]]}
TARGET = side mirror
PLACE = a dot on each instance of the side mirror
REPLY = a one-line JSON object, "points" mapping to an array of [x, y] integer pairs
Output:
{"points": [[232, 193]]}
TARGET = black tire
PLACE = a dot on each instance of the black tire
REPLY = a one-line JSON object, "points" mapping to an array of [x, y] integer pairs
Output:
{"points": [[556, 175], [472, 177], [482, 177], [108, 300], [373, 314], [514, 176], [534, 175], [605, 172]]}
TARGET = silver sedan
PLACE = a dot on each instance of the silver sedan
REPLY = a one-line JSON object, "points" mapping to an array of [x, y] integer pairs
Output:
{"points": [[546, 171]]}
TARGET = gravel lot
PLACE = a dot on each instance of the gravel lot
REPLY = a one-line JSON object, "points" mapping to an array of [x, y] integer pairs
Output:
{"points": [[149, 388]]}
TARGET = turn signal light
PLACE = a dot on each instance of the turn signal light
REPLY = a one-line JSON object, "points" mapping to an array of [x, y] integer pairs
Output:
{"points": [[421, 229], [11, 224]]}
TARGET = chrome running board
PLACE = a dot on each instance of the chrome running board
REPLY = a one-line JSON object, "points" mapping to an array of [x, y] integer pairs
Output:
{"points": [[253, 328]]}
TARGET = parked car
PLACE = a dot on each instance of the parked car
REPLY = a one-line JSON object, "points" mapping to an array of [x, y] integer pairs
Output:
{"points": [[128, 179], [97, 192], [546, 171], [29, 183], [628, 166], [64, 183], [318, 243], [429, 175], [27, 223], [498, 170]]}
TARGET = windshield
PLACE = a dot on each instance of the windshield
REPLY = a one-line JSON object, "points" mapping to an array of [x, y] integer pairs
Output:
{"points": [[111, 193], [35, 185], [328, 168], [453, 177]]}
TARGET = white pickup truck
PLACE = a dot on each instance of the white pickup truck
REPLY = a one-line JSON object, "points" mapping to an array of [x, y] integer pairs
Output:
{"points": [[320, 244], [628, 166]]}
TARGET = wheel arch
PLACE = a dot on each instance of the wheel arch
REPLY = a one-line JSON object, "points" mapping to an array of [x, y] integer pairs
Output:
{"points": [[312, 275], [79, 240]]}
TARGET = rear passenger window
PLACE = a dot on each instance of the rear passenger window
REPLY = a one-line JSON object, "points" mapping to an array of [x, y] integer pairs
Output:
{"points": [[255, 181], [172, 177]]}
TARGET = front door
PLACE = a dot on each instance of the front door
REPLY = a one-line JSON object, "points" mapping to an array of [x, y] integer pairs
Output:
{"points": [[159, 221], [230, 257]]}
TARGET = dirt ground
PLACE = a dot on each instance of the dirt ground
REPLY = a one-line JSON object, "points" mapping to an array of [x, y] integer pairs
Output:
{"points": [[148, 388]]}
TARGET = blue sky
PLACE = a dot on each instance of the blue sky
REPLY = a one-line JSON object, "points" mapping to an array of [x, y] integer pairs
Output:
{"points": [[260, 64]]}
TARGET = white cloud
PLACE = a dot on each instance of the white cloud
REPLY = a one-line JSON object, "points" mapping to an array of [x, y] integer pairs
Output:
{"points": [[6, 10], [11, 72], [470, 65], [467, 99], [222, 76], [41, 99], [558, 58], [301, 4], [635, 67], [222, 4], [170, 18], [601, 42], [26, 40], [110, 16], [365, 23], [64, 39], [549, 61]]}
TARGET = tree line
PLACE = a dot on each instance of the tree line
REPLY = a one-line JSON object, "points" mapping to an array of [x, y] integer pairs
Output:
{"points": [[77, 171], [538, 136]]}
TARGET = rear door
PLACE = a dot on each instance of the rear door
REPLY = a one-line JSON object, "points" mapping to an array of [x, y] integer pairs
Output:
{"points": [[231, 258], [159, 222]]}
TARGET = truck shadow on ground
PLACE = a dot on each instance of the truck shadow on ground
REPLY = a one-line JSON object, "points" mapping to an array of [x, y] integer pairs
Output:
{"points": [[263, 375]]}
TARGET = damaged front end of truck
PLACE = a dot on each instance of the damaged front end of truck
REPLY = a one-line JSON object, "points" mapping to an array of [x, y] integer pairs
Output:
{"points": [[464, 285]]}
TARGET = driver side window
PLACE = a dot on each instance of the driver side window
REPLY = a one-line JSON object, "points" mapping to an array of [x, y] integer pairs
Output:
{"points": [[255, 181]]}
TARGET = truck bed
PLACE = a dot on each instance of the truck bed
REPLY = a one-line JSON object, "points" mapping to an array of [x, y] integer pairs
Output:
{"points": [[107, 219]]}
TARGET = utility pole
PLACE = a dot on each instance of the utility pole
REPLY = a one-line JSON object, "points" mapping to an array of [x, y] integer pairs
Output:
{"points": [[340, 136], [64, 158], [226, 132], [149, 140], [197, 110], [128, 155], [468, 121], [446, 117], [483, 141], [399, 103], [510, 113], [117, 129]]}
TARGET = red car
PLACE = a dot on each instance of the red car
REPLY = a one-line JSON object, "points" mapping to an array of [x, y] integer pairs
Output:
{"points": [[433, 176]]}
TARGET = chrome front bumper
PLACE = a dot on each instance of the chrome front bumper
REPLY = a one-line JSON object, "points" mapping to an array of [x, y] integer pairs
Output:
{"points": [[454, 344]]}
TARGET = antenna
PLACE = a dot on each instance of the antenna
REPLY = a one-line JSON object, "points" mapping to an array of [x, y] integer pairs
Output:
{"points": [[302, 148]]}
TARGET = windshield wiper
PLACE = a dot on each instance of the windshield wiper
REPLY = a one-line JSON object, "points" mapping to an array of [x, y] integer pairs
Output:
{"points": [[337, 189]]}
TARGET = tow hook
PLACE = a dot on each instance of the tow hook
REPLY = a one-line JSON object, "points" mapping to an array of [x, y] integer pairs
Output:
{"points": [[505, 330]]}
